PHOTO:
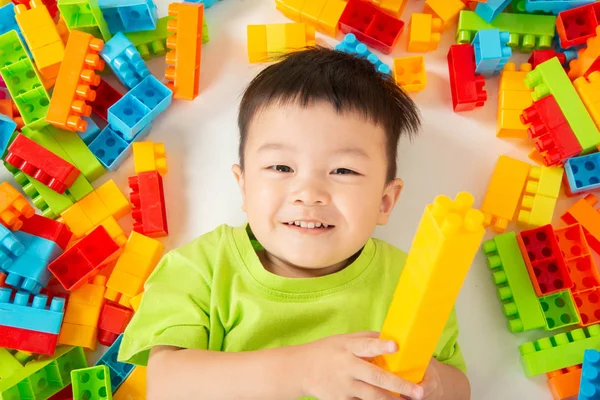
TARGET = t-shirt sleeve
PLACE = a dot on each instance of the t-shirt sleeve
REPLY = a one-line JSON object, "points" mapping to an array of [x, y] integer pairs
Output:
{"points": [[448, 351], [174, 311]]}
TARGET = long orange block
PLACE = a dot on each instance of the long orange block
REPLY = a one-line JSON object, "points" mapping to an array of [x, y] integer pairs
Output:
{"points": [[589, 91], [72, 90], [513, 98], [42, 37], [446, 10], [184, 58], [13, 207], [584, 213], [588, 58], [564, 383], [449, 234], [504, 191]]}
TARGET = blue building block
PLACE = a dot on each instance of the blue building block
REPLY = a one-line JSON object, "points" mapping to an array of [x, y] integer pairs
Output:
{"points": [[138, 107], [29, 271], [351, 45], [207, 3], [111, 149], [10, 248], [491, 51], [7, 128], [34, 315], [8, 22], [118, 371], [129, 15], [91, 132], [589, 388], [489, 10], [583, 173], [125, 60], [554, 6]]}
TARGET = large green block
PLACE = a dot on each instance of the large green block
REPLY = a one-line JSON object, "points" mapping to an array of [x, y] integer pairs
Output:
{"points": [[92, 383], [8, 364], [11, 48], [86, 16]]}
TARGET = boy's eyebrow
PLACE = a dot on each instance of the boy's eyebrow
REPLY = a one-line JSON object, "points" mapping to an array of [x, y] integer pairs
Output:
{"points": [[357, 151], [273, 146]]}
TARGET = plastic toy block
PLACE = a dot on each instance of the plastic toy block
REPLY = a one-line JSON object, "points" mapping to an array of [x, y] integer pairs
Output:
{"points": [[410, 74], [125, 61], [129, 15], [588, 59], [351, 45], [540, 195], [134, 387], [588, 303], [65, 394], [290, 8], [82, 261], [42, 164], [9, 23], [73, 86], [136, 301], [564, 383], [149, 208], [446, 10], [113, 321], [91, 383], [118, 371], [257, 43], [13, 207], [553, 6], [111, 149], [539, 56], [559, 310], [371, 26], [267, 42], [583, 212], [40, 379], [7, 127], [50, 5], [424, 33], [576, 26], [27, 340], [520, 304], [467, 89], [139, 107], [513, 98], [590, 376], [106, 96], [42, 38], [91, 132], [150, 156], [8, 364], [550, 78], [578, 257], [588, 90], [491, 51], [12, 47], [527, 31], [504, 191], [48, 229], [183, 59], [582, 173], [544, 260], [86, 16], [490, 9], [450, 231], [138, 260], [20, 312], [113, 199]]}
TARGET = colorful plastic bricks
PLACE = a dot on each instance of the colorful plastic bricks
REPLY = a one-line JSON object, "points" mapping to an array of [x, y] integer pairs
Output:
{"points": [[134, 387], [266, 42], [106, 96], [446, 10], [91, 383], [112, 149], [588, 90], [513, 98], [540, 195], [588, 59], [27, 340], [491, 51], [576, 26], [149, 210], [467, 89], [129, 15], [490, 9], [583, 173], [578, 257], [539, 56], [36, 314], [112, 323], [410, 74], [351, 45], [118, 371], [446, 226], [424, 33], [125, 61], [84, 15], [13, 207], [583, 212], [324, 15]]}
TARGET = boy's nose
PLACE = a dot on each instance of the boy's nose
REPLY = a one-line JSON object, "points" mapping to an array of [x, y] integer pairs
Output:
{"points": [[311, 194]]}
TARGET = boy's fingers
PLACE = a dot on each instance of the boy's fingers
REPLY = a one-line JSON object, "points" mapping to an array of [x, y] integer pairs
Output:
{"points": [[365, 334], [371, 347], [380, 378], [363, 391]]}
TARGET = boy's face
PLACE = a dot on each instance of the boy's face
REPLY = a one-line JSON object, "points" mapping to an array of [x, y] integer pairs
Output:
{"points": [[314, 183]]}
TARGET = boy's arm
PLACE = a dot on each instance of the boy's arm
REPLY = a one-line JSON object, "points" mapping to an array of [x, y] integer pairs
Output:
{"points": [[446, 382]]}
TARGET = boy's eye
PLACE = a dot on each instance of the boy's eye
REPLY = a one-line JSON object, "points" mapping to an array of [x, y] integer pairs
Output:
{"points": [[343, 171], [281, 168]]}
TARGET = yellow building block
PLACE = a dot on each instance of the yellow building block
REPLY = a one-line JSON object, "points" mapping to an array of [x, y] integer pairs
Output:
{"points": [[504, 192], [299, 36], [290, 8], [63, 30], [138, 260], [589, 91], [540, 195], [311, 11], [113, 198], [535, 156], [4, 2], [424, 33], [267, 42], [79, 327], [134, 387], [257, 44], [513, 98], [136, 301], [410, 74], [149, 156], [276, 39], [330, 17], [446, 10], [449, 234], [42, 37], [393, 7]]}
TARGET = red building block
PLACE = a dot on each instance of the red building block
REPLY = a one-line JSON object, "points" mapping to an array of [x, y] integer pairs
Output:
{"points": [[106, 96], [27, 340], [83, 260], [544, 260], [467, 89], [50, 5], [65, 394], [577, 25], [148, 199], [371, 26], [49, 229], [578, 258], [3, 280], [588, 306], [539, 56], [40, 163], [553, 137], [113, 321]]}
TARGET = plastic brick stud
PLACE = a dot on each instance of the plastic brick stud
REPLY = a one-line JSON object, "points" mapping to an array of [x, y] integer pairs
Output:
{"points": [[36, 314], [491, 51], [467, 89], [513, 98], [113, 321], [564, 383], [559, 310], [149, 156], [576, 26], [13, 207], [91, 383], [578, 257], [410, 74], [590, 376], [125, 61], [424, 33], [351, 45], [118, 371]]}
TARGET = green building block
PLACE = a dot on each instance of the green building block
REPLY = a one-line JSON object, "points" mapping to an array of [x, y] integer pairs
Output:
{"points": [[550, 78], [520, 304], [527, 32], [559, 310], [558, 351], [43, 378], [86, 16], [91, 383], [8, 364], [11, 48]]}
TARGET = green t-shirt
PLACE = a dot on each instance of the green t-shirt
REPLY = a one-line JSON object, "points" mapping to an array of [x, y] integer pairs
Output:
{"points": [[215, 294]]}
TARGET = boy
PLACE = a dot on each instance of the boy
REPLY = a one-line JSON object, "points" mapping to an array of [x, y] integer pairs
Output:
{"points": [[282, 308]]}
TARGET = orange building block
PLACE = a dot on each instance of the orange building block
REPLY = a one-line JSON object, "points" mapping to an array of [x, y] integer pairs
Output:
{"points": [[564, 383], [184, 58], [72, 89], [134, 387], [589, 91], [13, 206], [504, 191], [424, 33], [588, 58], [446, 10], [42, 37], [324, 15], [138, 260], [513, 98], [79, 327], [393, 7], [449, 233], [583, 212]]}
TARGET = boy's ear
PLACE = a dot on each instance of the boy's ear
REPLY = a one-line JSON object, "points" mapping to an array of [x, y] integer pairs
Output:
{"points": [[391, 194], [238, 173]]}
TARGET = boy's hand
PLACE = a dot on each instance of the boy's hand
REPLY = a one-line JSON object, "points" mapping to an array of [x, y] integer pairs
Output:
{"points": [[432, 381], [338, 367]]}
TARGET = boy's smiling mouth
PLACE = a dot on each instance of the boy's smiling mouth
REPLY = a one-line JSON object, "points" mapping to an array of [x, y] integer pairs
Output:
{"points": [[309, 224]]}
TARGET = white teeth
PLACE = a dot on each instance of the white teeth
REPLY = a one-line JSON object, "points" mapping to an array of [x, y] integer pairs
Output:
{"points": [[310, 225], [297, 223], [303, 224], [325, 226], [317, 225]]}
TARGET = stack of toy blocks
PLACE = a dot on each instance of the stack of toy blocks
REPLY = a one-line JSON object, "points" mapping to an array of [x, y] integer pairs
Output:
{"points": [[424, 33], [491, 52], [267, 42], [129, 15], [324, 15], [513, 98]]}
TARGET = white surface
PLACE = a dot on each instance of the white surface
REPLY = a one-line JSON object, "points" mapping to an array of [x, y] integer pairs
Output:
{"points": [[453, 152]]}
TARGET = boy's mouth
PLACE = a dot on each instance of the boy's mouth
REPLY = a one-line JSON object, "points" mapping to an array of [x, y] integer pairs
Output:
{"points": [[309, 224]]}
